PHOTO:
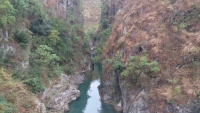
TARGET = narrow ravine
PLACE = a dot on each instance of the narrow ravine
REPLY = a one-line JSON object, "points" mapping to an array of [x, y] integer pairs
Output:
{"points": [[89, 101]]}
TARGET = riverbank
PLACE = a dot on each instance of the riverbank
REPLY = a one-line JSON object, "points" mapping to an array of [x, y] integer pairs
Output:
{"points": [[58, 96]]}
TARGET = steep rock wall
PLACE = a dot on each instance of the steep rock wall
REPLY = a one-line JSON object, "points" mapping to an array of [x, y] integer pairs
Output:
{"points": [[63, 9], [164, 30]]}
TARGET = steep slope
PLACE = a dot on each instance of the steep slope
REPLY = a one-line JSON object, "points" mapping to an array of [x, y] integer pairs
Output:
{"points": [[91, 13], [151, 58], [40, 40]]}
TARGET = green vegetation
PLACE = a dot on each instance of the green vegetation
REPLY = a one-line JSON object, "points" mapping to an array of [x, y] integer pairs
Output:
{"points": [[22, 37], [50, 45], [43, 55], [188, 20], [21, 5], [8, 14], [5, 79], [173, 81], [35, 84], [175, 93], [5, 107], [104, 12], [98, 52], [138, 65], [102, 34], [116, 63], [40, 27]]}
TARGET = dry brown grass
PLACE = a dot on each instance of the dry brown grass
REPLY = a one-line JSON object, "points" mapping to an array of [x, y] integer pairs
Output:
{"points": [[190, 49], [16, 93], [149, 23]]}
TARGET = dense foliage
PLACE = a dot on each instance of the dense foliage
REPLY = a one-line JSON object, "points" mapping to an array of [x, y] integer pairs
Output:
{"points": [[138, 65], [5, 107], [22, 37], [8, 14], [50, 46]]}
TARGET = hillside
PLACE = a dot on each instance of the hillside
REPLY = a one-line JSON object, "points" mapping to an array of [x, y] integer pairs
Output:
{"points": [[151, 57], [41, 41], [147, 54], [91, 13]]}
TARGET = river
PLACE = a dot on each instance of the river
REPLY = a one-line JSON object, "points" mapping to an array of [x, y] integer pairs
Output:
{"points": [[89, 100]]}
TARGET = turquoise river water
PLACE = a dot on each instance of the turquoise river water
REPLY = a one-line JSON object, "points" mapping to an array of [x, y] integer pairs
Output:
{"points": [[89, 101]]}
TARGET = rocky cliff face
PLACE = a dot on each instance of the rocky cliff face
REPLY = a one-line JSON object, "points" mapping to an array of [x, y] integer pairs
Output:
{"points": [[58, 96], [91, 13], [164, 32], [57, 8], [63, 9]]}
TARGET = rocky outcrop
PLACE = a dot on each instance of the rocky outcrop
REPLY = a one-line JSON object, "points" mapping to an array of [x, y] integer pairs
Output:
{"points": [[57, 8], [134, 101], [58, 96], [64, 9], [113, 6], [40, 107], [9, 49]]}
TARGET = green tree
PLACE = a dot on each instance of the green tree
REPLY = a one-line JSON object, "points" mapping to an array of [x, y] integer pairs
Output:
{"points": [[44, 54], [41, 27], [53, 38], [116, 63], [137, 65], [35, 9], [7, 13], [20, 4], [22, 37], [60, 25]]}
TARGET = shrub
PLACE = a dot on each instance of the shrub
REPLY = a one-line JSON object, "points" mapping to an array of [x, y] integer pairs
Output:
{"points": [[115, 63], [59, 25], [104, 35], [35, 9], [187, 20], [6, 60], [5, 107], [137, 65], [97, 53], [55, 70], [68, 69], [17, 74], [20, 4], [44, 55], [36, 70], [1, 58], [4, 77], [40, 27], [35, 84], [96, 58], [98, 50], [64, 50], [8, 14], [22, 37], [53, 38], [105, 24]]}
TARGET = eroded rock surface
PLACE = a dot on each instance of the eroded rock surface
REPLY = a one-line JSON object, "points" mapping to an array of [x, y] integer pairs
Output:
{"points": [[60, 95]]}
